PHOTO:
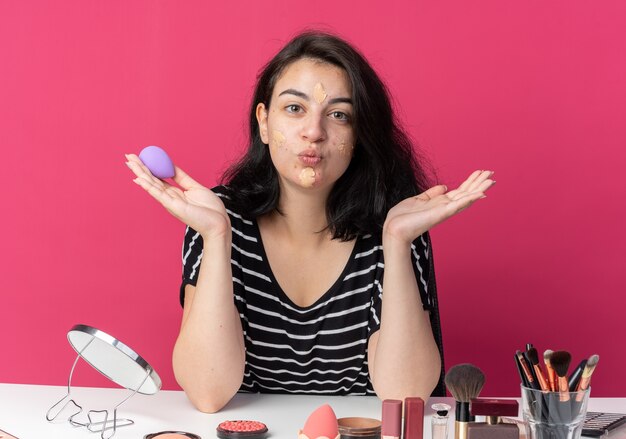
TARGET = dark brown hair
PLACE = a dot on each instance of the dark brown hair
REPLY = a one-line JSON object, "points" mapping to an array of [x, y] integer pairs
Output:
{"points": [[384, 169]]}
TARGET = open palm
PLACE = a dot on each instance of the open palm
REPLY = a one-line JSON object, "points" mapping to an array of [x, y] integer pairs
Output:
{"points": [[192, 203], [416, 215]]}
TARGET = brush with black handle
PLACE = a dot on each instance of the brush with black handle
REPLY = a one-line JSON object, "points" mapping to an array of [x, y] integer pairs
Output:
{"points": [[465, 381], [530, 381], [574, 377], [533, 356]]}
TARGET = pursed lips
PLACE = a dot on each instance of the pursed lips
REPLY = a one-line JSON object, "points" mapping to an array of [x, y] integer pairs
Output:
{"points": [[310, 157]]}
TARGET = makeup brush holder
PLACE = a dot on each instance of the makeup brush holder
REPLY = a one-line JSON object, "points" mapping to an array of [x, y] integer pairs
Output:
{"points": [[554, 415], [116, 361]]}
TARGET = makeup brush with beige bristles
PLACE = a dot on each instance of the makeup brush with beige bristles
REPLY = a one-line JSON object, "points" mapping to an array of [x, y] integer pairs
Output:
{"points": [[465, 381], [592, 362], [551, 374]]}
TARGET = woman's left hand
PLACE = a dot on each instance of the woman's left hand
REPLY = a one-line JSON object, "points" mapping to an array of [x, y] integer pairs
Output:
{"points": [[416, 215]]}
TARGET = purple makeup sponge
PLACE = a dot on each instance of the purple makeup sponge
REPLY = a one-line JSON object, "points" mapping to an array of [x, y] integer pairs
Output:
{"points": [[157, 161]]}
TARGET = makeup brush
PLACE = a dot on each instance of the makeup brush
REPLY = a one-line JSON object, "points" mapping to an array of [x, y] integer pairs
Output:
{"points": [[465, 381], [589, 368], [533, 356], [560, 361], [574, 377], [526, 368], [551, 374], [532, 370], [522, 375]]}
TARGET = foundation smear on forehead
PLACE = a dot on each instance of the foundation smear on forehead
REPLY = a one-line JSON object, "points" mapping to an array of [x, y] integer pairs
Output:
{"points": [[279, 139], [319, 94], [307, 177]]}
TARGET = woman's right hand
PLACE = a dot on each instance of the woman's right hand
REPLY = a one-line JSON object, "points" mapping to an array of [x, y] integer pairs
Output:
{"points": [[194, 204]]}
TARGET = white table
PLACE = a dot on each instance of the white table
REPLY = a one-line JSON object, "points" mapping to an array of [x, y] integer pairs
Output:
{"points": [[23, 408]]}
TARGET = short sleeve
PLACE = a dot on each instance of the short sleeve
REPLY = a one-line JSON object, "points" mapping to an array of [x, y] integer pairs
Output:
{"points": [[373, 324], [424, 270], [421, 263], [421, 260], [192, 258]]}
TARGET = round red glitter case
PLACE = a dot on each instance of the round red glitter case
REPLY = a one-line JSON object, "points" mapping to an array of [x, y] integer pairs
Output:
{"points": [[242, 430]]}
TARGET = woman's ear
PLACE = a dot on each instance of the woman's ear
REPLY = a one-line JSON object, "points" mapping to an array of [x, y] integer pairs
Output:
{"points": [[261, 117]]}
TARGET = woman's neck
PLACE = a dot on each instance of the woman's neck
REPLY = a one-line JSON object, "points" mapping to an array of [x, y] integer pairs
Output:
{"points": [[302, 215]]}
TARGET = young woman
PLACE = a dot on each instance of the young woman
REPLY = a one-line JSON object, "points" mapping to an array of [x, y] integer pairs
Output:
{"points": [[283, 265]]}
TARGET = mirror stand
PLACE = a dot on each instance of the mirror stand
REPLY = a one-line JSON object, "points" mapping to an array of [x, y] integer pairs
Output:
{"points": [[106, 427]]}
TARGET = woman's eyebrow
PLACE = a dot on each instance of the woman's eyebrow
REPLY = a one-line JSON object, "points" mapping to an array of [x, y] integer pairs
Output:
{"points": [[340, 100], [294, 92], [304, 96]]}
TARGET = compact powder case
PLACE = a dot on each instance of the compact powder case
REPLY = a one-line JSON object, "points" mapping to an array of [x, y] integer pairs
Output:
{"points": [[171, 435], [359, 428], [241, 430]]}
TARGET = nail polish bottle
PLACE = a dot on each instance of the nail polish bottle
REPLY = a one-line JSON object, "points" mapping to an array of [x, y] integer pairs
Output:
{"points": [[493, 428], [439, 421]]}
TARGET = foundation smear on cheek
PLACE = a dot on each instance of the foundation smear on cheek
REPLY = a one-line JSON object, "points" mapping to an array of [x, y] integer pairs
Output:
{"points": [[307, 177], [279, 139], [319, 94], [345, 149]]}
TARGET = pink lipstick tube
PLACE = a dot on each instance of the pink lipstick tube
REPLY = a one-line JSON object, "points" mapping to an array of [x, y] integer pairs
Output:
{"points": [[392, 419], [413, 418]]}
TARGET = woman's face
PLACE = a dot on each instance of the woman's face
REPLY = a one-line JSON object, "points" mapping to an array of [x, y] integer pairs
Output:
{"points": [[308, 126]]}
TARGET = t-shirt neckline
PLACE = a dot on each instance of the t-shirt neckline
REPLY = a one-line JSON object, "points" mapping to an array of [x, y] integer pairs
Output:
{"points": [[327, 294]]}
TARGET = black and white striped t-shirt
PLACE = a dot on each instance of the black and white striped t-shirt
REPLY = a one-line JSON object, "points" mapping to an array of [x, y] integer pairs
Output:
{"points": [[318, 349]]}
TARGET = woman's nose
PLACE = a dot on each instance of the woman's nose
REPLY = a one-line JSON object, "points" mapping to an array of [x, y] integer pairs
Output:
{"points": [[313, 130]]}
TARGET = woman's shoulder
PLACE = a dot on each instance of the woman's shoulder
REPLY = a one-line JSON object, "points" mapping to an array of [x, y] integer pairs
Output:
{"points": [[238, 218], [239, 222], [227, 196], [222, 192]]}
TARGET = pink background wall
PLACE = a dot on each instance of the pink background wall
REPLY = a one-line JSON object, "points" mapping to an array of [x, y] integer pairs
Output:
{"points": [[533, 89]]}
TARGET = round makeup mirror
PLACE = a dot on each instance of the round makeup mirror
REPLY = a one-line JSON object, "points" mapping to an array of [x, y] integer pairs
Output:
{"points": [[114, 359]]}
